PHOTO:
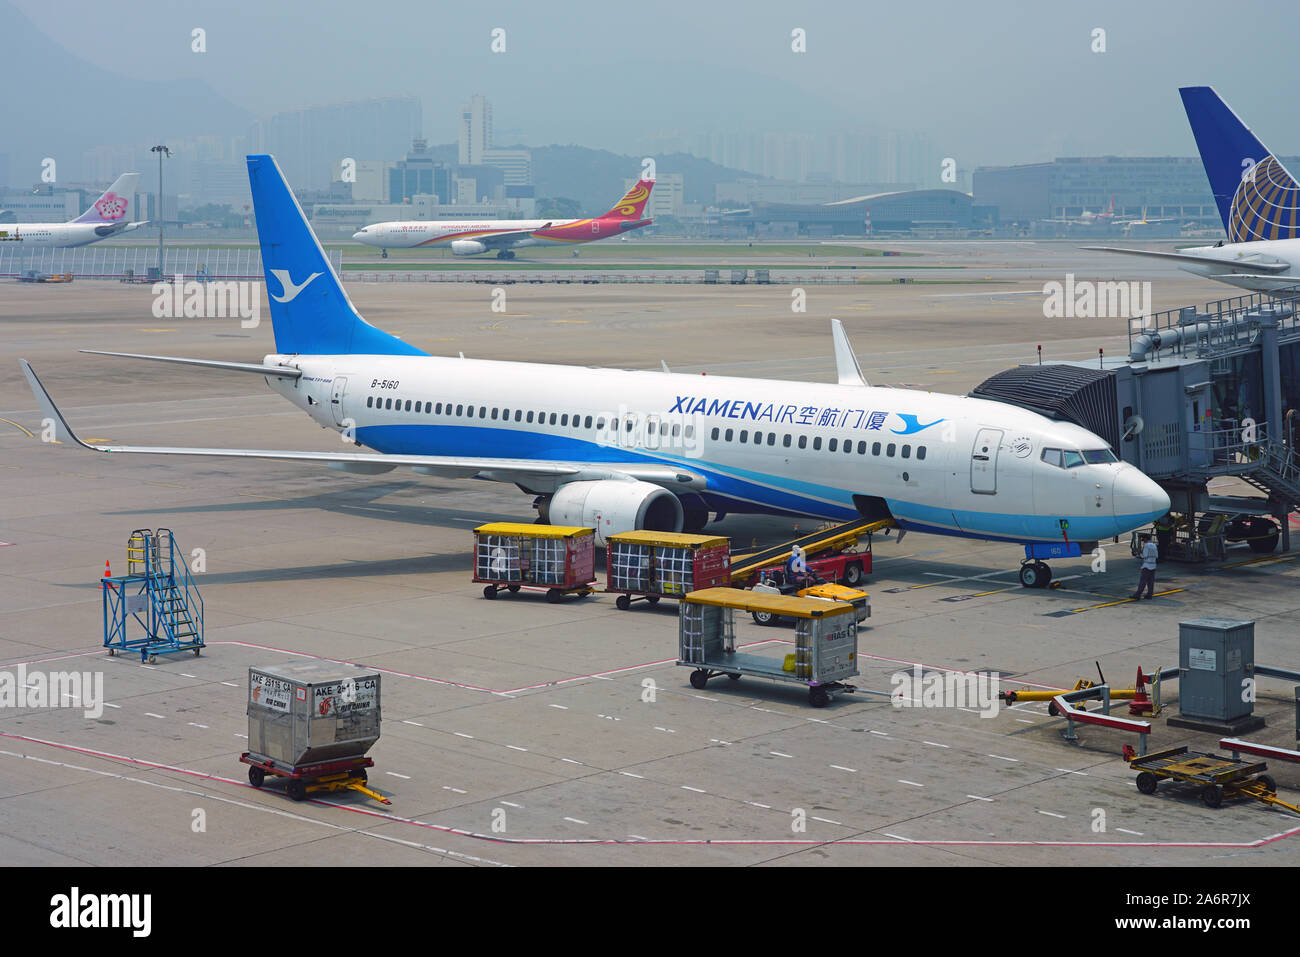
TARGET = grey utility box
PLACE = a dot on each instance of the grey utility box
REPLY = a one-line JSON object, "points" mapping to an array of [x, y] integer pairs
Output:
{"points": [[1216, 657], [303, 713]]}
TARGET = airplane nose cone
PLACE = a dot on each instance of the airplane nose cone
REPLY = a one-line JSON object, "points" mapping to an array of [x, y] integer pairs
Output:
{"points": [[357, 234], [1137, 499]]}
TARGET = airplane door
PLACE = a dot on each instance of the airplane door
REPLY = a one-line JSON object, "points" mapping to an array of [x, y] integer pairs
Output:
{"points": [[984, 462], [336, 399]]}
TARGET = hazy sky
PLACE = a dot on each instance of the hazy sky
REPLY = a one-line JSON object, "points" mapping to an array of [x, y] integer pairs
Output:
{"points": [[990, 82]]}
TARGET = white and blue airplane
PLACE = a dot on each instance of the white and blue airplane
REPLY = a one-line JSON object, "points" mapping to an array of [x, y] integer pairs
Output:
{"points": [[619, 450]]}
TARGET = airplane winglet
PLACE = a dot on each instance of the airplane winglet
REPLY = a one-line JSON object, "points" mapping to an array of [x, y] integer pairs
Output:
{"points": [[846, 363], [50, 412]]}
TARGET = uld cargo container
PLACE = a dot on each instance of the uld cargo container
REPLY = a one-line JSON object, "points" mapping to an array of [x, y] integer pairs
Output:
{"points": [[305, 713]]}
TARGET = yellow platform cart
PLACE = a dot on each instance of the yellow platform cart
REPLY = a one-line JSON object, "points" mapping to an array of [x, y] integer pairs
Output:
{"points": [[826, 641]]}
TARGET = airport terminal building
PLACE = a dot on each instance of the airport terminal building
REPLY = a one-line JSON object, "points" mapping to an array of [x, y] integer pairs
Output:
{"points": [[904, 212], [1162, 186]]}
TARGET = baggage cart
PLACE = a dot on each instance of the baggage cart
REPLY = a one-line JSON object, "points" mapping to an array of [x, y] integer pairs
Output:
{"points": [[647, 566], [1216, 776], [826, 641], [557, 559], [311, 723]]}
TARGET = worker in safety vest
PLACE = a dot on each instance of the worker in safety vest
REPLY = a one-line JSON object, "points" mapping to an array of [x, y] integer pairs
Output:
{"points": [[1164, 527]]}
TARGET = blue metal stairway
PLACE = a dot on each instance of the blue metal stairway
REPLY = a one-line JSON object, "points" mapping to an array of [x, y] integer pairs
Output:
{"points": [[159, 594]]}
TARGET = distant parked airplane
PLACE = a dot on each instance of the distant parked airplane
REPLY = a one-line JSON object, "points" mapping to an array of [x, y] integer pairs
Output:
{"points": [[1258, 200], [106, 217]]}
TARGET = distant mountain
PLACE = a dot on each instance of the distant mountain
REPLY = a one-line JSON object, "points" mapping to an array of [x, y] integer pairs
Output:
{"points": [[595, 177], [55, 105]]}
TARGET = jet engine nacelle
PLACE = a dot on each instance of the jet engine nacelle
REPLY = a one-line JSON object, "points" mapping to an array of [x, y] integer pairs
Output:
{"points": [[611, 506], [467, 247]]}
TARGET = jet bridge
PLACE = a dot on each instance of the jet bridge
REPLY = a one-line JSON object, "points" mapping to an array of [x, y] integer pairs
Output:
{"points": [[1204, 392]]}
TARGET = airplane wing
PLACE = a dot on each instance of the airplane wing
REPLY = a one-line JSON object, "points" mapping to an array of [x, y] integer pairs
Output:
{"points": [[447, 466], [506, 240], [1246, 266]]}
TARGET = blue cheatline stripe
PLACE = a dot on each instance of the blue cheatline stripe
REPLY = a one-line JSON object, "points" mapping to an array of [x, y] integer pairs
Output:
{"points": [[760, 491]]}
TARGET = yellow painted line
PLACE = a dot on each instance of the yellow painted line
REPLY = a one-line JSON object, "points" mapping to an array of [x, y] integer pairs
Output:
{"points": [[573, 322], [1258, 561], [18, 427], [1126, 601], [995, 591], [94, 440]]}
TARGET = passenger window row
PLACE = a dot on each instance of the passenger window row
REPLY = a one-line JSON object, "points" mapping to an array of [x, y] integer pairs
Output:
{"points": [[758, 437], [654, 426]]}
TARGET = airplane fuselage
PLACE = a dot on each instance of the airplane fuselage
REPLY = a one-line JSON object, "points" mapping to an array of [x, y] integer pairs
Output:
{"points": [[947, 464], [60, 235], [1264, 250], [521, 232]]}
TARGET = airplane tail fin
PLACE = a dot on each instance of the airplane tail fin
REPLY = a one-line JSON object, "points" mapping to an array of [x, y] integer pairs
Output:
{"points": [[633, 201], [310, 312], [114, 205], [1256, 196]]}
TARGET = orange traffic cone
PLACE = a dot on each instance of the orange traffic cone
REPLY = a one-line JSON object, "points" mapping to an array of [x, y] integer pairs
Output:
{"points": [[108, 572], [1141, 703]]}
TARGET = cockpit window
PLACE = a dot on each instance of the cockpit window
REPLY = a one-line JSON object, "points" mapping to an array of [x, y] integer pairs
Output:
{"points": [[1098, 456], [1072, 458], [1052, 457]]}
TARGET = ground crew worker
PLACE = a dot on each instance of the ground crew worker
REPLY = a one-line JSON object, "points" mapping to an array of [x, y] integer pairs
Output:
{"points": [[1164, 527], [1147, 576]]}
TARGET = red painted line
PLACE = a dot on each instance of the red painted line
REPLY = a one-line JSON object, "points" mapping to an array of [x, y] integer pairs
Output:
{"points": [[696, 842]]}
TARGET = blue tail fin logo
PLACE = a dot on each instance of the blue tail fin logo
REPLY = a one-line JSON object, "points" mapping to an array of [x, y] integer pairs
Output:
{"points": [[1256, 195], [312, 316]]}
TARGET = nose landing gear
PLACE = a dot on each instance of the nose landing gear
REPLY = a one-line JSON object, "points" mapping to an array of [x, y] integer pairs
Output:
{"points": [[1035, 574]]}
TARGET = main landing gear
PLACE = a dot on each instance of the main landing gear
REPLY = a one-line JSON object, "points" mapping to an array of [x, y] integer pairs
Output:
{"points": [[1035, 574], [506, 254], [383, 254]]}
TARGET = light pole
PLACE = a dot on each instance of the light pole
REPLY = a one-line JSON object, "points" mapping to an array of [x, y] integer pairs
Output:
{"points": [[161, 151]]}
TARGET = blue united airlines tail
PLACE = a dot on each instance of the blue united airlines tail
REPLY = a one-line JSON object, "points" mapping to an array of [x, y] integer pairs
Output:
{"points": [[310, 312], [1256, 196]]}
